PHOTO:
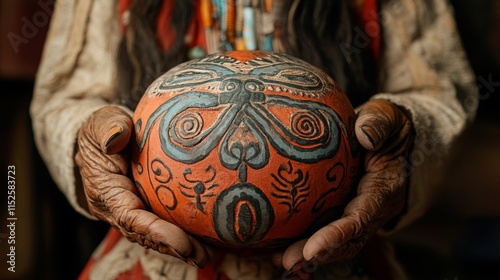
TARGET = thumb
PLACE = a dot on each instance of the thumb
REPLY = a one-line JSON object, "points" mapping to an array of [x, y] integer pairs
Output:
{"points": [[377, 121], [111, 127]]}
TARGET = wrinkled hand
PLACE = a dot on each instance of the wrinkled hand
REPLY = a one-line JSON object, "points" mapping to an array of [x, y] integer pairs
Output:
{"points": [[386, 133], [112, 196]]}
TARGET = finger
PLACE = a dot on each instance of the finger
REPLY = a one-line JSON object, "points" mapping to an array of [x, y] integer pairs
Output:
{"points": [[199, 254], [277, 259], [122, 208], [95, 164], [293, 254], [151, 231], [129, 214], [78, 159], [381, 196], [112, 128], [377, 121], [344, 237], [325, 241]]}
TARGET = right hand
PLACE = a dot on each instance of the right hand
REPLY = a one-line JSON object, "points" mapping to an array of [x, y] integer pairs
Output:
{"points": [[103, 160]]}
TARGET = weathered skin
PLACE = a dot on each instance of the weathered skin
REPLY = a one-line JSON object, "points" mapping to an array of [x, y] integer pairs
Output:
{"points": [[387, 135], [111, 195], [381, 128]]}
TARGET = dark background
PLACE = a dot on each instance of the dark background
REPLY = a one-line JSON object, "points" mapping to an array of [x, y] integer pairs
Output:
{"points": [[458, 239]]}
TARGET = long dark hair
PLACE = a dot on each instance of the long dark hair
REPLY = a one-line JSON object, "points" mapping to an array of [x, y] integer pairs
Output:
{"points": [[317, 31]]}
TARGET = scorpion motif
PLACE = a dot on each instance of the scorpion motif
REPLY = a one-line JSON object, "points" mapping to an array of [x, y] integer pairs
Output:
{"points": [[199, 188], [292, 187]]}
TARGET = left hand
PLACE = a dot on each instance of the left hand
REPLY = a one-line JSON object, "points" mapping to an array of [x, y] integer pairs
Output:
{"points": [[103, 161], [386, 133]]}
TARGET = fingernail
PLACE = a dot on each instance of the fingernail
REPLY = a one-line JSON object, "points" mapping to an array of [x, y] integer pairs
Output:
{"points": [[321, 257], [324, 254], [368, 137], [311, 265], [193, 263], [295, 271], [312, 262], [188, 260], [113, 133], [180, 255]]}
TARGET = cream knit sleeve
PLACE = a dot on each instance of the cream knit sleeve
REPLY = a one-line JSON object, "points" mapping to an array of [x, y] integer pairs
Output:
{"points": [[75, 78], [425, 71]]}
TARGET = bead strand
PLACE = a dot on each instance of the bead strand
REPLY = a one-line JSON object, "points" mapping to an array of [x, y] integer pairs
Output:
{"points": [[238, 24]]}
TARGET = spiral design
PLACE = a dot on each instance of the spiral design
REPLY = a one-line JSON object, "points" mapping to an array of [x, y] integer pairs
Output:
{"points": [[161, 171], [188, 125], [306, 125], [244, 92]]}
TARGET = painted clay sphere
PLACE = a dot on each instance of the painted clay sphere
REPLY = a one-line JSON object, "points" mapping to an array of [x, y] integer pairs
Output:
{"points": [[245, 149]]}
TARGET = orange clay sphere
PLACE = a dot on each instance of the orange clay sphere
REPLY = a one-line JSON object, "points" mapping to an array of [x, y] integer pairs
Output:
{"points": [[245, 149]]}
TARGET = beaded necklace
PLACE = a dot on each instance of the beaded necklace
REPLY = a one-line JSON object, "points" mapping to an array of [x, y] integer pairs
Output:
{"points": [[223, 25], [219, 25], [239, 25]]}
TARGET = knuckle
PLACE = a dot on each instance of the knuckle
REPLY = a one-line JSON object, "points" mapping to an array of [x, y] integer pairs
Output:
{"points": [[359, 223], [132, 237], [123, 219]]}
